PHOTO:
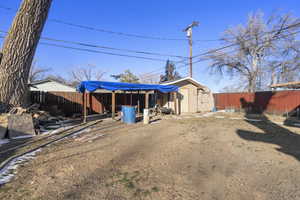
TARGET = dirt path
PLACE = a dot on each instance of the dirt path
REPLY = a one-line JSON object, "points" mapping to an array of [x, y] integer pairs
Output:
{"points": [[195, 158]]}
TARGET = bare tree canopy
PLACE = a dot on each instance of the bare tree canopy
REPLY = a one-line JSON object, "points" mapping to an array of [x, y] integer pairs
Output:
{"points": [[19, 49], [59, 79], [263, 51], [88, 73], [126, 77], [149, 79], [170, 73], [37, 73]]}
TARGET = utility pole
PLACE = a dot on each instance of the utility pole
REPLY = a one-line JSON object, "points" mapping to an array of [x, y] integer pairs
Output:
{"points": [[189, 34]]}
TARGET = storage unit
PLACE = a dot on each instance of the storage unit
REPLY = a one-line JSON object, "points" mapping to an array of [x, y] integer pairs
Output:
{"points": [[192, 96]]}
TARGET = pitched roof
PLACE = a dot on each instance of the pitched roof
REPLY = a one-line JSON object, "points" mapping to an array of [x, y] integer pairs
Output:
{"points": [[48, 80], [184, 79]]}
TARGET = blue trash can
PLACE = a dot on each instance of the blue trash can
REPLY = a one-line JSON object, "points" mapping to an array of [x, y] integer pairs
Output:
{"points": [[128, 114]]}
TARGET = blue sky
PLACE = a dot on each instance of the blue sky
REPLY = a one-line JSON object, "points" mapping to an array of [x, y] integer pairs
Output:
{"points": [[161, 18]]}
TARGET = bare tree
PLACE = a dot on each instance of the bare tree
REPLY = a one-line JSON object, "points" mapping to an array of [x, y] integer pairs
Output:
{"points": [[37, 73], [149, 79], [256, 48], [19, 49], [89, 73], [126, 77], [58, 78]]}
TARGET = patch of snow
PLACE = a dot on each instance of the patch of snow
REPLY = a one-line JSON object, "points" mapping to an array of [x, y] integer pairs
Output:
{"points": [[235, 118], [208, 114], [253, 120], [176, 117], [4, 141], [9, 171], [80, 132], [219, 117], [156, 122], [22, 137], [47, 132], [280, 123], [95, 137]]}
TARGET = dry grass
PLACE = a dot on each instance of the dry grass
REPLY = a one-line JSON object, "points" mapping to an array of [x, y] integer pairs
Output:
{"points": [[188, 158]]}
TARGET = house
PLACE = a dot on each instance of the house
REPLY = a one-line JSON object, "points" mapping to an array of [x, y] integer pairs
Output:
{"points": [[50, 85], [192, 96]]}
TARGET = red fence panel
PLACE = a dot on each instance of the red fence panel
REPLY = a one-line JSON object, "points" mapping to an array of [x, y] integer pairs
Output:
{"points": [[268, 101]]}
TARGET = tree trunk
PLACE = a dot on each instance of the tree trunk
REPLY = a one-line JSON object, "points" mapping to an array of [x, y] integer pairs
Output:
{"points": [[252, 84], [19, 49]]}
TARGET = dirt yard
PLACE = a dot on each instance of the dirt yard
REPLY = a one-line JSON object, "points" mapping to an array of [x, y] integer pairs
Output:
{"points": [[216, 157]]}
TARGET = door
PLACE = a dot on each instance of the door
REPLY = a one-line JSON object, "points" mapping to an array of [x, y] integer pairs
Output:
{"points": [[184, 100]]}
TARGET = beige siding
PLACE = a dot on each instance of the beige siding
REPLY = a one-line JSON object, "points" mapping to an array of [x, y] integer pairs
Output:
{"points": [[192, 99], [198, 100], [205, 100]]}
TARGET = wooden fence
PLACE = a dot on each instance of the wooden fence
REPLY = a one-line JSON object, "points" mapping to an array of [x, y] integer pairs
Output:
{"points": [[277, 102], [71, 102]]}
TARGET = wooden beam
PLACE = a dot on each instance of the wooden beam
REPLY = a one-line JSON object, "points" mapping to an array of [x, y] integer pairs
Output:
{"points": [[175, 103], [125, 98], [84, 102], [147, 100], [113, 105], [138, 103]]}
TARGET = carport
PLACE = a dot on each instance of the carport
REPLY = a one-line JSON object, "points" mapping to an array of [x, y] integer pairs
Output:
{"points": [[114, 88]]}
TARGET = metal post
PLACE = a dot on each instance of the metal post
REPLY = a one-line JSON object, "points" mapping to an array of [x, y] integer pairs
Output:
{"points": [[113, 104]]}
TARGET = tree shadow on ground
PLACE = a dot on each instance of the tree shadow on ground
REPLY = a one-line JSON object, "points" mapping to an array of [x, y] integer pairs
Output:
{"points": [[272, 133]]}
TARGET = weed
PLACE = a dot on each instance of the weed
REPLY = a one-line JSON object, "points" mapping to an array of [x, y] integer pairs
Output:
{"points": [[155, 189]]}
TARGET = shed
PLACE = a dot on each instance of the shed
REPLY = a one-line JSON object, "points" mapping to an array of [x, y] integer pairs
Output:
{"points": [[192, 96], [50, 85]]}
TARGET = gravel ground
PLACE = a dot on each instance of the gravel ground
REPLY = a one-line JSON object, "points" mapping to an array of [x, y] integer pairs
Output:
{"points": [[182, 158]]}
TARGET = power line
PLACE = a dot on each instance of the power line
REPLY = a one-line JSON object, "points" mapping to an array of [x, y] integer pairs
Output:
{"points": [[114, 32], [234, 44], [105, 47], [96, 51], [58, 21], [102, 30], [218, 49]]}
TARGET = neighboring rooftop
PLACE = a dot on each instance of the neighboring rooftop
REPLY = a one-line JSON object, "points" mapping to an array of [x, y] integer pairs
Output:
{"points": [[50, 85], [290, 85]]}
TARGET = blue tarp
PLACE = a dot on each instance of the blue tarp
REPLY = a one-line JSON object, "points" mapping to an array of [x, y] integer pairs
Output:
{"points": [[92, 86]]}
